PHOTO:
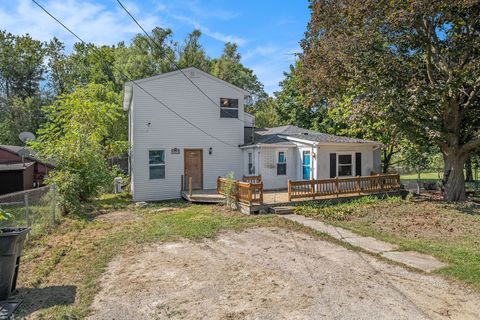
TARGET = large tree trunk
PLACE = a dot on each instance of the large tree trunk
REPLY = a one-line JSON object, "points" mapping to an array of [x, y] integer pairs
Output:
{"points": [[468, 170], [453, 178]]}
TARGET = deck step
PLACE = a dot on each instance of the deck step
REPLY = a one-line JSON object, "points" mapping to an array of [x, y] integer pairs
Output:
{"points": [[282, 210]]}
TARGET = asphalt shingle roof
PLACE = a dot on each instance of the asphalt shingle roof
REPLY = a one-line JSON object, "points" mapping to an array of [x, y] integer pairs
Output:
{"points": [[275, 136]]}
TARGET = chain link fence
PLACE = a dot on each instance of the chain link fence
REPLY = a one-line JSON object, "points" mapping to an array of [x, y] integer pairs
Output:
{"points": [[35, 208]]}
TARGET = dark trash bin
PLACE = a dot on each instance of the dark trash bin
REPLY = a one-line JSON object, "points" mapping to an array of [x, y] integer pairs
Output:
{"points": [[11, 245]]}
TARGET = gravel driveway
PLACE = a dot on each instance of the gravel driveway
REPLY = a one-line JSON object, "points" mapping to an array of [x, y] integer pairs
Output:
{"points": [[272, 274]]}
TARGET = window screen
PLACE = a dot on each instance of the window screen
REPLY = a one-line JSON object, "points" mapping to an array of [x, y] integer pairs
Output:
{"points": [[156, 162]]}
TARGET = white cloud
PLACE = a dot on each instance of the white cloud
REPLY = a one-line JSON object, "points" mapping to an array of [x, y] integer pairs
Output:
{"points": [[210, 33], [93, 22], [263, 51]]}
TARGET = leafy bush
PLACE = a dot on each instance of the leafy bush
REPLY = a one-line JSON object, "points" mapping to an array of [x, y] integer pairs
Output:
{"points": [[81, 133], [231, 190]]}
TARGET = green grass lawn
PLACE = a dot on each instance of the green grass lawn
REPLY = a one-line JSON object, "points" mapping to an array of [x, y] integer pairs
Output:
{"points": [[447, 231], [60, 272], [423, 176]]}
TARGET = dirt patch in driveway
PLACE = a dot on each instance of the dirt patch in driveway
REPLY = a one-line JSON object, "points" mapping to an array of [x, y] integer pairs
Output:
{"points": [[271, 274]]}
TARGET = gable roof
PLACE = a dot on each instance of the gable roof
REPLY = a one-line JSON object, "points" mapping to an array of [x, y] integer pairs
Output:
{"points": [[33, 155], [286, 134], [187, 71]]}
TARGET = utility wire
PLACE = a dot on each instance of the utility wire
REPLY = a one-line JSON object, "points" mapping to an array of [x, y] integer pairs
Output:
{"points": [[130, 80], [172, 61]]}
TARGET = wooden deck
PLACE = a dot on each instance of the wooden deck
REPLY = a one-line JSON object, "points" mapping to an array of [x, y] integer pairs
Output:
{"points": [[251, 197], [203, 196], [276, 198]]}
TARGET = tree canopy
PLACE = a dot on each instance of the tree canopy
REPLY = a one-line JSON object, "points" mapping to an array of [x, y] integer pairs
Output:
{"points": [[416, 63]]}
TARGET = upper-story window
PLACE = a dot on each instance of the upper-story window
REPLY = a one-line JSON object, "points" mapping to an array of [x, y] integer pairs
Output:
{"points": [[228, 108]]}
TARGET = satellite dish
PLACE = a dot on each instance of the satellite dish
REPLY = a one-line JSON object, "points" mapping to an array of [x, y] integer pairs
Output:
{"points": [[25, 136]]}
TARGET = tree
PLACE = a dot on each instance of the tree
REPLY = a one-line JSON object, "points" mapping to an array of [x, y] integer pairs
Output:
{"points": [[229, 68], [21, 65], [417, 61], [18, 116], [192, 53], [291, 106], [81, 132], [144, 57]]}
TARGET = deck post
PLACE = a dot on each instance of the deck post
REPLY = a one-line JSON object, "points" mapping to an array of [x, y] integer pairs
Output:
{"points": [[250, 194], [182, 183], [190, 186], [336, 186], [261, 192], [289, 190], [358, 185], [312, 188]]}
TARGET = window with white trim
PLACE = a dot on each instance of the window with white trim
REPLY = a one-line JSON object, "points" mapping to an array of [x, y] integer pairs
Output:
{"points": [[228, 108], [156, 163], [345, 165], [281, 163]]}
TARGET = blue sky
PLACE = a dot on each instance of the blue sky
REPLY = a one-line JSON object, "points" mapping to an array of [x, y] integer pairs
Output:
{"points": [[267, 32]]}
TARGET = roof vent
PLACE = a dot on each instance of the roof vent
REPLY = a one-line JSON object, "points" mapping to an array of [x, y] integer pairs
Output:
{"points": [[192, 74], [305, 133]]}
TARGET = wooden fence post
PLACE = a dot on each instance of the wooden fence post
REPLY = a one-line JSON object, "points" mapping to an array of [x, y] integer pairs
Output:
{"points": [[289, 190], [359, 189]]}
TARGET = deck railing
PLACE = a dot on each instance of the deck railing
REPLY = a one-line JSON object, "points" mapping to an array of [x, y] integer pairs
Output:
{"points": [[252, 179], [338, 186], [245, 192]]}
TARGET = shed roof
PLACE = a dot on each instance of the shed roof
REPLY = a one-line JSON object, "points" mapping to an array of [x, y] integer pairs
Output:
{"points": [[33, 155], [15, 166]]}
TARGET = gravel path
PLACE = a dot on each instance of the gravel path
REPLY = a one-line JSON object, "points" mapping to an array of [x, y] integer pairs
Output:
{"points": [[272, 274]]}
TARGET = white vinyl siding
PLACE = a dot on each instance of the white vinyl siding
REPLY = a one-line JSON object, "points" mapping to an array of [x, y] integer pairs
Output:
{"points": [[156, 128]]}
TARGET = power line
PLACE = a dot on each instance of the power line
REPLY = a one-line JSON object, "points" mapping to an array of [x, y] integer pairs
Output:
{"points": [[131, 80], [169, 59]]}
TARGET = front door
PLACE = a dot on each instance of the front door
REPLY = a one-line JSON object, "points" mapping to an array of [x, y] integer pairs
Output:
{"points": [[194, 167], [306, 165]]}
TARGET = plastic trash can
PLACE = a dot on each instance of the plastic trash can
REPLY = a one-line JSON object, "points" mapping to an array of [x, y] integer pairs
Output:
{"points": [[11, 245]]}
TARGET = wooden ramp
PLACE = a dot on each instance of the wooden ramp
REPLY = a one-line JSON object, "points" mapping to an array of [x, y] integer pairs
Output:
{"points": [[203, 196]]}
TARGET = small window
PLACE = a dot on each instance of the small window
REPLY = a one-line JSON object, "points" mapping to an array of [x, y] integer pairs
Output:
{"points": [[228, 108], [156, 161], [281, 164], [251, 168], [344, 165]]}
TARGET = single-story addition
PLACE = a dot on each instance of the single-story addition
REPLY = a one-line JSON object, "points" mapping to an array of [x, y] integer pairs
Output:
{"points": [[207, 134]]}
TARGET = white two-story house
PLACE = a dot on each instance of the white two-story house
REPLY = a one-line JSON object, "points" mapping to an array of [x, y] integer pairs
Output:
{"points": [[188, 122]]}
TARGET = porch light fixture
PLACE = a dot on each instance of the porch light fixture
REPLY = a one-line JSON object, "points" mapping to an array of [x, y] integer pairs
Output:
{"points": [[210, 150]]}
